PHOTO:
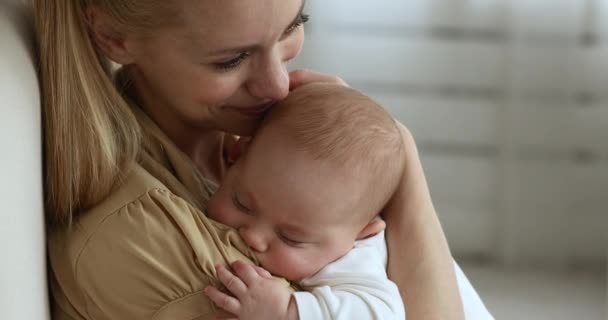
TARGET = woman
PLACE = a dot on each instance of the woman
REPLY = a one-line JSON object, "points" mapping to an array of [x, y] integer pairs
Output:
{"points": [[130, 164]]}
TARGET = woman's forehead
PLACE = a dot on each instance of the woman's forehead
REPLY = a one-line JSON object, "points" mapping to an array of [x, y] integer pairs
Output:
{"points": [[221, 25]]}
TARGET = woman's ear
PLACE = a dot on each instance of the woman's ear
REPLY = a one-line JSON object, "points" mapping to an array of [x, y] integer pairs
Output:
{"points": [[372, 228], [112, 42]]}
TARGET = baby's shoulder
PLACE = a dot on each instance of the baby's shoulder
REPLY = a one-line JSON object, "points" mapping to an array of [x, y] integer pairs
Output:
{"points": [[376, 240]]}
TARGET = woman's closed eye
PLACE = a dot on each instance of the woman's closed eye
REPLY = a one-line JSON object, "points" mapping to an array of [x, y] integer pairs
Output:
{"points": [[302, 19], [236, 61], [233, 62]]}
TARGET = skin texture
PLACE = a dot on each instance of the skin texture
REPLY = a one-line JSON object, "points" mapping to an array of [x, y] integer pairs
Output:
{"points": [[181, 86], [285, 207], [414, 233], [211, 75], [255, 294]]}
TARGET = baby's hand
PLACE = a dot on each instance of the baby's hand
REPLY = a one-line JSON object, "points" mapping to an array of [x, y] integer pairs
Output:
{"points": [[256, 295]]}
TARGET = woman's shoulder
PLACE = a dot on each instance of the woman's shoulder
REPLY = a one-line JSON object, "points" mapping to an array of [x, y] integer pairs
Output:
{"points": [[141, 243], [133, 186], [140, 205]]}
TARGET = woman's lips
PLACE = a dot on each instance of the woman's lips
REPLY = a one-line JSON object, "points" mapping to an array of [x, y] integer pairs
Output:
{"points": [[255, 111]]}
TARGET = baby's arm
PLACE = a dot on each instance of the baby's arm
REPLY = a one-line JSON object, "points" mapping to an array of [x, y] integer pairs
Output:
{"points": [[353, 287]]}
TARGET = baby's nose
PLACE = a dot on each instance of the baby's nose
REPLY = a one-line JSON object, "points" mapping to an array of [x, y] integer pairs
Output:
{"points": [[253, 239]]}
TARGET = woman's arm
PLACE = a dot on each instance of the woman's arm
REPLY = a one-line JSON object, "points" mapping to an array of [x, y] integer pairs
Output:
{"points": [[419, 257], [420, 261]]}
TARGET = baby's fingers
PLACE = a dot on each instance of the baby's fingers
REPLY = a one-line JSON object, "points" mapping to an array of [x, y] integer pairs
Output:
{"points": [[263, 272], [224, 301], [246, 272], [230, 281]]}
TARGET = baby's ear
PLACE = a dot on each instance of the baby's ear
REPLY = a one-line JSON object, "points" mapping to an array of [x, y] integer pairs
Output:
{"points": [[237, 149], [372, 228]]}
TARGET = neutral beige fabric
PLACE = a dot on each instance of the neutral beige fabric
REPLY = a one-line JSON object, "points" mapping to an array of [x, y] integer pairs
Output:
{"points": [[147, 251]]}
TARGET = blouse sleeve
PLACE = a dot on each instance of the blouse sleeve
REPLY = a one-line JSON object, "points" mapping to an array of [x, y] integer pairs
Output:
{"points": [[152, 259]]}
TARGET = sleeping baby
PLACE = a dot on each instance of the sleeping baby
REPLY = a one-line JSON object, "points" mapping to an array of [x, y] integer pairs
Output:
{"points": [[323, 142]]}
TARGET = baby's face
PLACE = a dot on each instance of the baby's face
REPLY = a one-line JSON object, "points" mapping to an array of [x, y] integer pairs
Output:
{"points": [[293, 212]]}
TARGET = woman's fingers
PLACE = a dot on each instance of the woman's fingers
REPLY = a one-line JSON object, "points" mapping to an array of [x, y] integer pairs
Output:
{"points": [[223, 301], [230, 281], [303, 76]]}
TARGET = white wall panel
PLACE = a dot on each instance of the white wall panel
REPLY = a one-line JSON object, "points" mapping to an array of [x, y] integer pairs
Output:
{"points": [[464, 121], [548, 16], [598, 12], [592, 77], [532, 66], [464, 192], [480, 14], [563, 128], [589, 126], [559, 213], [461, 179], [402, 61], [544, 126], [470, 228]]}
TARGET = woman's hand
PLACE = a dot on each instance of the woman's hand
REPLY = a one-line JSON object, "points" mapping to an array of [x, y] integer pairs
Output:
{"points": [[256, 294], [420, 261], [303, 76]]}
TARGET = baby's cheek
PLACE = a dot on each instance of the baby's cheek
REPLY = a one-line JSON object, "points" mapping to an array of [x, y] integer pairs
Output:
{"points": [[214, 211], [294, 265], [219, 211]]}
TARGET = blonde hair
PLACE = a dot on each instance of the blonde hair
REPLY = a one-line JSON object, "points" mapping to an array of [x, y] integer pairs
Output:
{"points": [[341, 125], [91, 135]]}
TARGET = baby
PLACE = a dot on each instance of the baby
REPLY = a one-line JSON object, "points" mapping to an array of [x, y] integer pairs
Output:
{"points": [[305, 195]]}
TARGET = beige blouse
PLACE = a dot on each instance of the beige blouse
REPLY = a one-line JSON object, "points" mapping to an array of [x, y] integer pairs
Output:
{"points": [[147, 251]]}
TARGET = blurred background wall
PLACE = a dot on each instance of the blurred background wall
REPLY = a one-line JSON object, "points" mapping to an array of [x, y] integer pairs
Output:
{"points": [[507, 100]]}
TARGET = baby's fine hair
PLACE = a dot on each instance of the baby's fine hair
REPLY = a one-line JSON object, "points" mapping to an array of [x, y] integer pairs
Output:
{"points": [[342, 125]]}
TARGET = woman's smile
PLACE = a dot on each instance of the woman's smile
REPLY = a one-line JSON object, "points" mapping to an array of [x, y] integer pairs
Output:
{"points": [[253, 111]]}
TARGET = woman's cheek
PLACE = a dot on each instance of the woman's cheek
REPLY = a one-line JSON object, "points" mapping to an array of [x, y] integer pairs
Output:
{"points": [[293, 45], [214, 89]]}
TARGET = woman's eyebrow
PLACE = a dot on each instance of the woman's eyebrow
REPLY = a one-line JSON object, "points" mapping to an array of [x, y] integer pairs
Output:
{"points": [[253, 47], [233, 50]]}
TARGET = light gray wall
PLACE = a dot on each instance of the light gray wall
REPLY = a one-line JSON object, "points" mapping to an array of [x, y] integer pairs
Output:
{"points": [[23, 282]]}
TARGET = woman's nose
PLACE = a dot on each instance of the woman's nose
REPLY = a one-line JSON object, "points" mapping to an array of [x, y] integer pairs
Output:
{"points": [[270, 81], [254, 239]]}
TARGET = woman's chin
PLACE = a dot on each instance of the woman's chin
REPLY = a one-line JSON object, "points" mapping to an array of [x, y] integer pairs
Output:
{"points": [[242, 127]]}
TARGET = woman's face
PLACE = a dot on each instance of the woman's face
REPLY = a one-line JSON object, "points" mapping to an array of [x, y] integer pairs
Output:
{"points": [[222, 68]]}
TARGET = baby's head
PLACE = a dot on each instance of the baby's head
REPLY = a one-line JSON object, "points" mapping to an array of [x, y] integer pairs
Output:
{"points": [[320, 168]]}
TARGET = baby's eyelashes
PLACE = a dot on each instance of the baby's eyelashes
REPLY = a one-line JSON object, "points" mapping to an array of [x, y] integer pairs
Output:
{"points": [[239, 205], [291, 242]]}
